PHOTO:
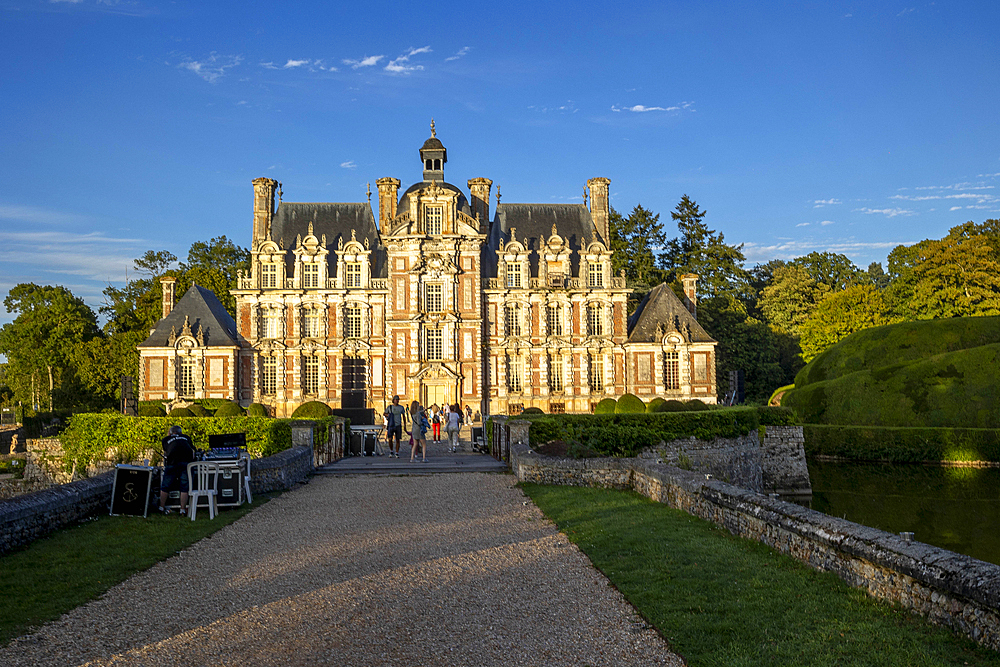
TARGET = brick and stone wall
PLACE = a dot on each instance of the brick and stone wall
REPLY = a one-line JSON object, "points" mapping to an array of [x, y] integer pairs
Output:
{"points": [[734, 460], [783, 461], [950, 589]]}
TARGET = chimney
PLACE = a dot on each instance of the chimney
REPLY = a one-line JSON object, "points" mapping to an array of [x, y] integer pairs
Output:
{"points": [[479, 188], [690, 283], [168, 282], [387, 200], [600, 209], [263, 207]]}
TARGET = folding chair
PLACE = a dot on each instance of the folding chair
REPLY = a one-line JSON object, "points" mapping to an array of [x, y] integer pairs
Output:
{"points": [[207, 474], [245, 458]]}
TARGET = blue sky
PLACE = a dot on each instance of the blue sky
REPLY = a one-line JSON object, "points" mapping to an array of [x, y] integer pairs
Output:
{"points": [[842, 126]]}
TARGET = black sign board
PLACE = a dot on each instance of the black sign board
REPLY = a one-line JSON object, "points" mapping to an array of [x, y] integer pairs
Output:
{"points": [[130, 493], [228, 441]]}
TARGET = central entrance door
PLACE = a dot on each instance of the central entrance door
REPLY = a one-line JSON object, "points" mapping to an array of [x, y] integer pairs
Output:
{"points": [[438, 394]]}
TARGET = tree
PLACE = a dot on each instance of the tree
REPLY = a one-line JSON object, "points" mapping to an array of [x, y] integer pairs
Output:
{"points": [[702, 251], [839, 315], [791, 296], [40, 342], [634, 241], [831, 269], [957, 276]]}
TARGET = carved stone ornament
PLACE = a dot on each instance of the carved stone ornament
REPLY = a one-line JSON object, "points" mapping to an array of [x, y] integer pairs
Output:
{"points": [[281, 243], [186, 329], [172, 338], [201, 336], [501, 245], [621, 273], [340, 243], [687, 332], [324, 240], [354, 236], [367, 244], [298, 240], [310, 228]]}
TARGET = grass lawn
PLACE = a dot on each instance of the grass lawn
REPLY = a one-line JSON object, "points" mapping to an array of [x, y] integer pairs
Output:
{"points": [[74, 565], [724, 600]]}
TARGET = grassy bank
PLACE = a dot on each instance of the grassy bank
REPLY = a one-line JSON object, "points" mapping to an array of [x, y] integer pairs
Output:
{"points": [[57, 573], [722, 600]]}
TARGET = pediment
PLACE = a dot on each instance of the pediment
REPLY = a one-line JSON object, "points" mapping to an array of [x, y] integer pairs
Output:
{"points": [[436, 371]]}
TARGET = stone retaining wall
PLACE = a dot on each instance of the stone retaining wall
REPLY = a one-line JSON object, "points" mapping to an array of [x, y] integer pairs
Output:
{"points": [[28, 517], [950, 589]]}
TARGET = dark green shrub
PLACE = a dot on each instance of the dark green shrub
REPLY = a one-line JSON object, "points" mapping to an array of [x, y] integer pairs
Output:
{"points": [[311, 410], [152, 410], [654, 404], [671, 406], [198, 410], [902, 444], [606, 407], [630, 404], [773, 415], [212, 404], [578, 450], [256, 410], [229, 409], [533, 411], [180, 412], [695, 405]]}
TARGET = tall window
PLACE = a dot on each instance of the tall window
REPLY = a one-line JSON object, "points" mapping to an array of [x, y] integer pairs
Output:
{"points": [[434, 220], [435, 298], [555, 319], [672, 370], [595, 320], [312, 324], [352, 274], [596, 374], [595, 274], [515, 373], [514, 274], [272, 324], [512, 313], [556, 373], [435, 344], [310, 274], [186, 384], [310, 375], [352, 322], [269, 376], [268, 276]]}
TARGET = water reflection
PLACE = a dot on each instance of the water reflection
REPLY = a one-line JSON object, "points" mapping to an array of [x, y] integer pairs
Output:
{"points": [[953, 508]]}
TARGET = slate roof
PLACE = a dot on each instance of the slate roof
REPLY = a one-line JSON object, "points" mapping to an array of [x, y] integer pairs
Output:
{"points": [[204, 311], [532, 221], [334, 220], [463, 203], [661, 306]]}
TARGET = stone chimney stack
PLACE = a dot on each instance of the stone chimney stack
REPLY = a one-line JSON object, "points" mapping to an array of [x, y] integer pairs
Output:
{"points": [[388, 189], [690, 283], [263, 207], [169, 299], [600, 208], [479, 188]]}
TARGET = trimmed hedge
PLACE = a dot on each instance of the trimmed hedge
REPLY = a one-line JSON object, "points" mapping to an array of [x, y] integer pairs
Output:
{"points": [[606, 407], [672, 405], [902, 444], [181, 412], [625, 435], [630, 404], [96, 437], [152, 410], [229, 409], [198, 410], [654, 404], [256, 410], [311, 410]]}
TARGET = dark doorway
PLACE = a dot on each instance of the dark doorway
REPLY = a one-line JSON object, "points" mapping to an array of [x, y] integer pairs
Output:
{"points": [[355, 394]]}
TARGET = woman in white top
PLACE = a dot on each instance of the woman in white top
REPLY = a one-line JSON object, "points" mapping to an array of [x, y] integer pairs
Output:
{"points": [[454, 426]]}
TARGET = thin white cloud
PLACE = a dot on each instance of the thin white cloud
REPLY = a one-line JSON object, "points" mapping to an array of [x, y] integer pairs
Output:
{"points": [[38, 215], [759, 252], [906, 11], [291, 63], [213, 67], [887, 212], [67, 2], [568, 107], [641, 108], [349, 165], [824, 223], [803, 224], [367, 61], [955, 208], [461, 53], [820, 203], [401, 64], [958, 186]]}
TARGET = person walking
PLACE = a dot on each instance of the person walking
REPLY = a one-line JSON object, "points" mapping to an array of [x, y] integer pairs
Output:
{"points": [[178, 452], [454, 426], [436, 421], [418, 417], [395, 416]]}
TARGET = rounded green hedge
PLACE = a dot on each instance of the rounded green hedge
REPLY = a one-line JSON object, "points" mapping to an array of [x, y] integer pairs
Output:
{"points": [[671, 406], [311, 410], [256, 410], [152, 411], [606, 407], [229, 409], [180, 412], [533, 411], [630, 404], [654, 404], [696, 404], [198, 410]]}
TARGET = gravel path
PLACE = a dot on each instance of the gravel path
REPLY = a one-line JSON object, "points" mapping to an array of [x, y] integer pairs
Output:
{"points": [[453, 569]]}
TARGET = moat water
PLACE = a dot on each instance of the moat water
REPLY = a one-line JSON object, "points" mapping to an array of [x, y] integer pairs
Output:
{"points": [[952, 508]]}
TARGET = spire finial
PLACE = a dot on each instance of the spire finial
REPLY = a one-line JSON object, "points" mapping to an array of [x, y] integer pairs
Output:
{"points": [[433, 131], [369, 193], [498, 195], [585, 195]]}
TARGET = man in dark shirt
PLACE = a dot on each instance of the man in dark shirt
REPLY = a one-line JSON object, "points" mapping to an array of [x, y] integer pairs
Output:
{"points": [[178, 451]]}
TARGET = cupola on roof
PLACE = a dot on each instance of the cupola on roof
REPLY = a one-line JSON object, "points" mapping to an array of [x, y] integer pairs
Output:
{"points": [[433, 155]]}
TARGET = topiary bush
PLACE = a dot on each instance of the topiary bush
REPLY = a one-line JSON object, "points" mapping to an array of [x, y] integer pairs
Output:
{"points": [[229, 409], [256, 410], [198, 410], [180, 412], [671, 406], [533, 411], [695, 405], [153, 410], [311, 410], [630, 404], [654, 404], [606, 407]]}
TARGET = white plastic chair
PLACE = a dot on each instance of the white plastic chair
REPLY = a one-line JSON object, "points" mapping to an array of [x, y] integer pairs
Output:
{"points": [[245, 458], [204, 471]]}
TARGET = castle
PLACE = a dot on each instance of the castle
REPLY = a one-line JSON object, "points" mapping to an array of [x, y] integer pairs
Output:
{"points": [[434, 301]]}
